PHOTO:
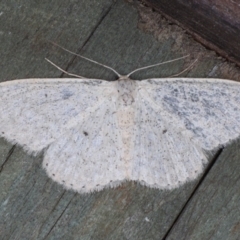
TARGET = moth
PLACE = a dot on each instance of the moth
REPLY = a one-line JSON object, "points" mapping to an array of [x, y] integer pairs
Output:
{"points": [[97, 133]]}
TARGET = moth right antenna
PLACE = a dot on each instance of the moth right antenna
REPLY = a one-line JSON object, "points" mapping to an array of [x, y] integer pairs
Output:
{"points": [[157, 64], [186, 69]]}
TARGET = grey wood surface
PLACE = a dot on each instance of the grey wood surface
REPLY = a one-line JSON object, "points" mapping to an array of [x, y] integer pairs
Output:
{"points": [[214, 23], [124, 36]]}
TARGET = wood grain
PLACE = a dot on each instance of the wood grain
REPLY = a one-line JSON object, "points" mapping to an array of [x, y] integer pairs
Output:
{"points": [[214, 23], [213, 212]]}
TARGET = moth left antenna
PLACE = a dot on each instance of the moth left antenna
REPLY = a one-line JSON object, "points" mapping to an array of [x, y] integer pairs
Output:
{"points": [[88, 59], [62, 70]]}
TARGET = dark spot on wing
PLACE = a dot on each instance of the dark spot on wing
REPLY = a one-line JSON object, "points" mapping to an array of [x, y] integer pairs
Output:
{"points": [[66, 94], [194, 97], [85, 133]]}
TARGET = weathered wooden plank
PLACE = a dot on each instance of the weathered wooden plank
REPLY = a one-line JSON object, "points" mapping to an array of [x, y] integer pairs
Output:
{"points": [[214, 23], [213, 213], [27, 27], [32, 206], [5, 150]]}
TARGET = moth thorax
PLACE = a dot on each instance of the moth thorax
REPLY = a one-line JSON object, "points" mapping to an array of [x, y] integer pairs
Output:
{"points": [[126, 92]]}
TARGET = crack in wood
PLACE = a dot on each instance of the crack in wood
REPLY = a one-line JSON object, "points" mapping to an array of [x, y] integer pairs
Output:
{"points": [[209, 167]]}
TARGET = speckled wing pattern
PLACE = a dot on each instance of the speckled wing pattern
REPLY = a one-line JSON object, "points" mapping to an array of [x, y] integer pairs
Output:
{"points": [[208, 108], [36, 112], [96, 133], [179, 120]]}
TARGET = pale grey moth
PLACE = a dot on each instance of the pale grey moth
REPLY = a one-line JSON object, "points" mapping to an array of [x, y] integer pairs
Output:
{"points": [[97, 133]]}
